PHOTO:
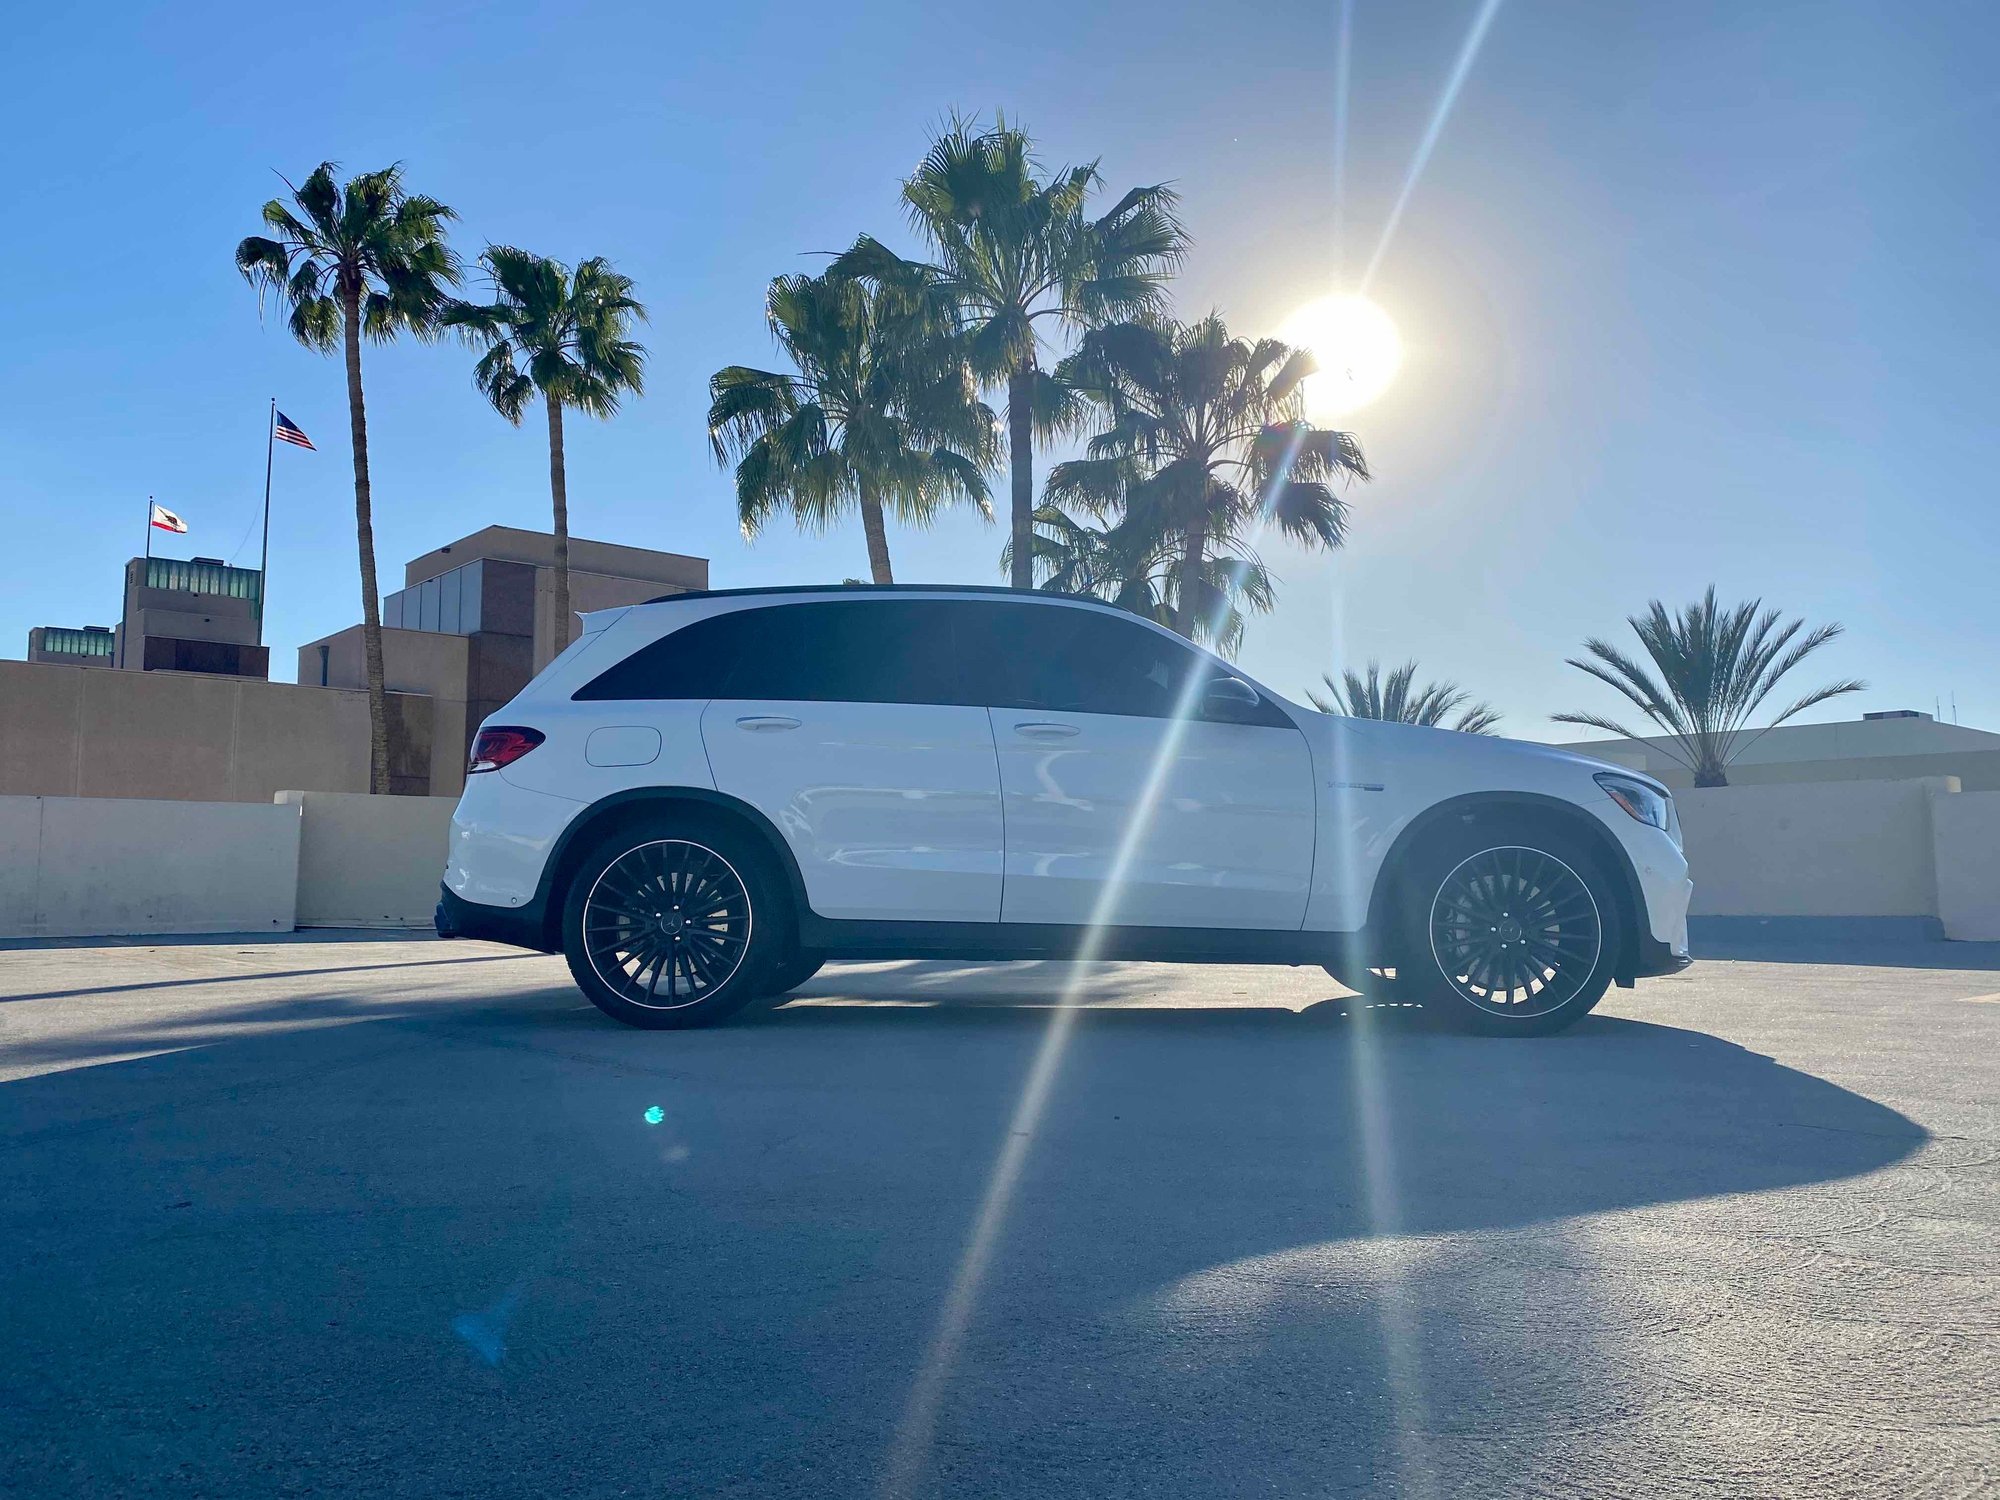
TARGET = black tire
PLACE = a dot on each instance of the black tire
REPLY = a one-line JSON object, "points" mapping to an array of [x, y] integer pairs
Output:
{"points": [[674, 921], [794, 970], [1508, 929]]}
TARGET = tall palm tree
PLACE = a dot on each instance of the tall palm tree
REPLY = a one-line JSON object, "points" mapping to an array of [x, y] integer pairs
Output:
{"points": [[1205, 442], [1135, 566], [1399, 701], [560, 335], [365, 259], [1716, 667], [1010, 250], [881, 412]]}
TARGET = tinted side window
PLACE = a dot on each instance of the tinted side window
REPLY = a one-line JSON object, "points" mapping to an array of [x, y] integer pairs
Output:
{"points": [[864, 651], [693, 662], [1070, 660]]}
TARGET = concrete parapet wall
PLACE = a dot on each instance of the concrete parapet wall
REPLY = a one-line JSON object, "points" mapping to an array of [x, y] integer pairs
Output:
{"points": [[84, 866], [1813, 849], [369, 861], [77, 732], [1966, 830]]}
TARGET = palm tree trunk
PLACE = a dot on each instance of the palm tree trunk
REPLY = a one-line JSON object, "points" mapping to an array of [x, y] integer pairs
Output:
{"points": [[364, 536], [1021, 456], [559, 493], [878, 537], [1185, 606]]}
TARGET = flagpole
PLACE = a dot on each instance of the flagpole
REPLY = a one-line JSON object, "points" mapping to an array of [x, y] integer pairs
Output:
{"points": [[264, 557], [149, 528]]}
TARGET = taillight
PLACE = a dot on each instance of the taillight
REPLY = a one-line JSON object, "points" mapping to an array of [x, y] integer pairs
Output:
{"points": [[501, 746]]}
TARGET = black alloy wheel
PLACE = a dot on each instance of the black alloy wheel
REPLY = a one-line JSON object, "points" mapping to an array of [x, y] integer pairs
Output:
{"points": [[667, 924], [1516, 932]]}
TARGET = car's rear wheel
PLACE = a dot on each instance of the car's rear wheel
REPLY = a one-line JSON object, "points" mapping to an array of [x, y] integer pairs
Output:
{"points": [[1509, 931], [674, 922]]}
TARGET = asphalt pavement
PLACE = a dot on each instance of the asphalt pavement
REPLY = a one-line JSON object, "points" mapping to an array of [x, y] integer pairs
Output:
{"points": [[373, 1215]]}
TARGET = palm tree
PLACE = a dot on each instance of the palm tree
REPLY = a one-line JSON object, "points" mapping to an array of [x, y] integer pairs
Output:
{"points": [[1137, 568], [1398, 701], [881, 412], [1205, 442], [562, 336], [1716, 667], [368, 258], [1010, 250]]}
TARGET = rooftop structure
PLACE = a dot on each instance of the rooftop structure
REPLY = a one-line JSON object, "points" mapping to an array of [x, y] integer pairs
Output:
{"points": [[192, 615], [475, 618], [61, 645], [1892, 746]]}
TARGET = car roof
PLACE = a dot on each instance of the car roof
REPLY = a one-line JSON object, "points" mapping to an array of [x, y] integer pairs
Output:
{"points": [[984, 590]]}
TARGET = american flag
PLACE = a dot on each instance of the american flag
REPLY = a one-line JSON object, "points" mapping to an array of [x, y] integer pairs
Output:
{"points": [[289, 431]]}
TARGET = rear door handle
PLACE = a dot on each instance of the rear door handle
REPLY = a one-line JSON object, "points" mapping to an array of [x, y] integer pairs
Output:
{"points": [[1037, 729], [766, 723]]}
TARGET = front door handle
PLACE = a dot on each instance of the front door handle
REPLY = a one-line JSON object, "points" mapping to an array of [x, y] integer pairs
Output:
{"points": [[1038, 729], [766, 723]]}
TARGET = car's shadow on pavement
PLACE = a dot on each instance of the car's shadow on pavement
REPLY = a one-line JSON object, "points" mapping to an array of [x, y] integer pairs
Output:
{"points": [[501, 1245]]}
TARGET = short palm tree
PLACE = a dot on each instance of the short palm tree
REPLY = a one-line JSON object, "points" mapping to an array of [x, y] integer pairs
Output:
{"points": [[1137, 568], [560, 335], [1010, 250], [881, 411], [365, 259], [1398, 700], [1204, 442], [1716, 667]]}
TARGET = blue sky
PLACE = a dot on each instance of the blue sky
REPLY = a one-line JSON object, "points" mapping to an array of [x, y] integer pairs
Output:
{"points": [[1691, 293]]}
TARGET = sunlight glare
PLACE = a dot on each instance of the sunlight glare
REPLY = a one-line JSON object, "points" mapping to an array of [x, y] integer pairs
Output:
{"points": [[1357, 348]]}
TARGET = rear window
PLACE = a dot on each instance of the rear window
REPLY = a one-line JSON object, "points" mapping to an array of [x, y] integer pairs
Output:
{"points": [[863, 651]]}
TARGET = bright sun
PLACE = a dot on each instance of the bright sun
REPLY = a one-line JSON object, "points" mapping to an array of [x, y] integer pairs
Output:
{"points": [[1356, 346]]}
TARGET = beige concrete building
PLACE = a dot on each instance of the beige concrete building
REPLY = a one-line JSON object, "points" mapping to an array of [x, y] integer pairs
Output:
{"points": [[1899, 746], [474, 621], [75, 732], [195, 614]]}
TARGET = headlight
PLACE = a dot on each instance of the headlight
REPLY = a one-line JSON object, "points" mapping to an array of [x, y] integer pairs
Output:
{"points": [[1648, 804]]}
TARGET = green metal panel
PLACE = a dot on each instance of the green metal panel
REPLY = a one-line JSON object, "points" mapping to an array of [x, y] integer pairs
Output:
{"points": [[204, 578]]}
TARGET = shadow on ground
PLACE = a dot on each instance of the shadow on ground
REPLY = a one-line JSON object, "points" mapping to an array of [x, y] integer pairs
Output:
{"points": [[496, 1245]]}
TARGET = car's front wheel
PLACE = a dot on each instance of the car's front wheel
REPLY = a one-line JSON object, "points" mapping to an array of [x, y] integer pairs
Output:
{"points": [[673, 923], [1509, 931]]}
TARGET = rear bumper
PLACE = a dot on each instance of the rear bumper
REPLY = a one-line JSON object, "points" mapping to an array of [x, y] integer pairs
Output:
{"points": [[521, 926]]}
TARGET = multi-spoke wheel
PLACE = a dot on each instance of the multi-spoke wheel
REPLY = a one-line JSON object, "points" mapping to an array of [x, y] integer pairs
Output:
{"points": [[662, 925], [666, 923], [1518, 928]]}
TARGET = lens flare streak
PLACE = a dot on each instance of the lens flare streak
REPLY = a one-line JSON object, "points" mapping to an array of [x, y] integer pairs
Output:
{"points": [[1460, 70]]}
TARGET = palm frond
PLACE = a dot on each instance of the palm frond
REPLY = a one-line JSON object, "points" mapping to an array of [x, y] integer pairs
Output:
{"points": [[1715, 669]]}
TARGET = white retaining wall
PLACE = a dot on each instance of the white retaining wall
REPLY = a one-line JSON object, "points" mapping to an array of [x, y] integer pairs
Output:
{"points": [[370, 861], [1966, 828], [1812, 849], [96, 865], [82, 866]]}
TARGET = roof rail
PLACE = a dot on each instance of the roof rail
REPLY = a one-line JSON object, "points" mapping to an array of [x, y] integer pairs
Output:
{"points": [[875, 588]]}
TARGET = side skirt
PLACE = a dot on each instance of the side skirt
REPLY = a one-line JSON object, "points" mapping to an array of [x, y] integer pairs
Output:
{"points": [[999, 941]]}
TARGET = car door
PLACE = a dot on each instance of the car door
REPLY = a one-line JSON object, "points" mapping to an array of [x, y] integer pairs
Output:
{"points": [[835, 720], [1127, 801]]}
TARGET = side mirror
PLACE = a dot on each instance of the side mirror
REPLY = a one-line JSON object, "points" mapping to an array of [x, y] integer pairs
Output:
{"points": [[1231, 700]]}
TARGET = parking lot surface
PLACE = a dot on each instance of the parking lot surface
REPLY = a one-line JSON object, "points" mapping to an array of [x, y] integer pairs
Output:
{"points": [[376, 1215]]}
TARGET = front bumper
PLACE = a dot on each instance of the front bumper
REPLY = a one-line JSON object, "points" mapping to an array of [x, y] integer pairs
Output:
{"points": [[1656, 958]]}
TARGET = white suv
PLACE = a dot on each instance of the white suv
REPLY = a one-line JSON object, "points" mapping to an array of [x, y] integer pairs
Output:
{"points": [[706, 797]]}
